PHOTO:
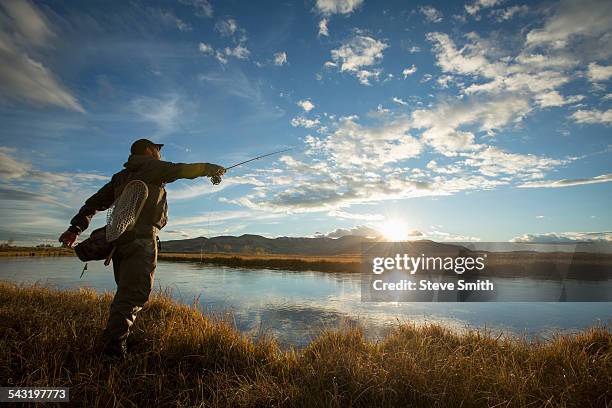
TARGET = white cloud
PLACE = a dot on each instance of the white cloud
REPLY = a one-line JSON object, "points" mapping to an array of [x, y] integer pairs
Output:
{"points": [[239, 51], [409, 71], [444, 80], [509, 12], [442, 123], [587, 18], [364, 76], [599, 72], [593, 116], [426, 78], [23, 79], [360, 231], [554, 98], [329, 7], [564, 237], [226, 27], [306, 105], [477, 5], [206, 48], [280, 58], [604, 178], [531, 73], [359, 52], [323, 30], [493, 161], [399, 101], [301, 121], [368, 147], [431, 14]]}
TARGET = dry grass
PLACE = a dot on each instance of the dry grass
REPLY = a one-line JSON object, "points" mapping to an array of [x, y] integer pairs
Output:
{"points": [[28, 251], [340, 263], [49, 338]]}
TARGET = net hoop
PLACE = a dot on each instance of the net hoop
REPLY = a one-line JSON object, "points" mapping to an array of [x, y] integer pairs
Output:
{"points": [[124, 213]]}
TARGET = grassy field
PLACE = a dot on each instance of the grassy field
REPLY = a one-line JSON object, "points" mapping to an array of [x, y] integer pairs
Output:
{"points": [[182, 358]]}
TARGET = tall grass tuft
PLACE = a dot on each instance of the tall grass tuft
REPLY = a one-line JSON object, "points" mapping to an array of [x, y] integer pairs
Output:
{"points": [[182, 358]]}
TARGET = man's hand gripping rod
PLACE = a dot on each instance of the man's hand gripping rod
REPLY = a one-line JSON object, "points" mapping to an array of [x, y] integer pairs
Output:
{"points": [[216, 179]]}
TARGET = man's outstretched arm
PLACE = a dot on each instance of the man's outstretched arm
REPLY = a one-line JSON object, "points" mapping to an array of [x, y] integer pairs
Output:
{"points": [[100, 201], [169, 172]]}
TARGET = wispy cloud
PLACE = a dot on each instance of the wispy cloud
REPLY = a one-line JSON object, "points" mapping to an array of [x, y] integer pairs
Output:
{"points": [[589, 18], [203, 8], [604, 178], [564, 237], [25, 29], [163, 112], [431, 14]]}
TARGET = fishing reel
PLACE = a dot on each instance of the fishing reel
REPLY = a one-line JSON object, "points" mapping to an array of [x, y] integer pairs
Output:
{"points": [[215, 179]]}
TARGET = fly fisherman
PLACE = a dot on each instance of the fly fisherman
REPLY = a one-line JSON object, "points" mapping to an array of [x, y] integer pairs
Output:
{"points": [[135, 256]]}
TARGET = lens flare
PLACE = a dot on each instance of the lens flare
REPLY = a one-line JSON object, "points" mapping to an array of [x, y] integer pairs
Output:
{"points": [[394, 230]]}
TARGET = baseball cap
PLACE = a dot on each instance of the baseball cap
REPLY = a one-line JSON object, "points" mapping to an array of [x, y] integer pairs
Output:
{"points": [[139, 146]]}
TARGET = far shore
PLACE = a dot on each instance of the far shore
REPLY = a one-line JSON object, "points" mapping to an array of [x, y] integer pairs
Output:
{"points": [[543, 265]]}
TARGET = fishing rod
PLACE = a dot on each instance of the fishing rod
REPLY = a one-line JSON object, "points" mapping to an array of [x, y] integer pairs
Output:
{"points": [[216, 179], [259, 157]]}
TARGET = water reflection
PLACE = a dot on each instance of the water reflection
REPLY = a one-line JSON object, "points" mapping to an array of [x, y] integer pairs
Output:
{"points": [[295, 306]]}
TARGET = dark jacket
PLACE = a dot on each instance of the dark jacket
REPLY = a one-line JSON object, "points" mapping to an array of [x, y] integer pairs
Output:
{"points": [[156, 174]]}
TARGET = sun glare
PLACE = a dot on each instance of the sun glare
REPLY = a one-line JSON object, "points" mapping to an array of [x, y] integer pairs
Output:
{"points": [[394, 230]]}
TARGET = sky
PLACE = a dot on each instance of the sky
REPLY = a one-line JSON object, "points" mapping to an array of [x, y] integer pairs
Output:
{"points": [[483, 120]]}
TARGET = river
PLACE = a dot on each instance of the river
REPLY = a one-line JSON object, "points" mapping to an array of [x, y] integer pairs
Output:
{"points": [[295, 306]]}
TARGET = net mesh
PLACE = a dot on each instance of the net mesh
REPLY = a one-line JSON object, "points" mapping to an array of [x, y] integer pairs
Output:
{"points": [[123, 214]]}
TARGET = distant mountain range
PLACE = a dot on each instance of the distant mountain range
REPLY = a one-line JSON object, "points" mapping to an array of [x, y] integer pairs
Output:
{"points": [[256, 244]]}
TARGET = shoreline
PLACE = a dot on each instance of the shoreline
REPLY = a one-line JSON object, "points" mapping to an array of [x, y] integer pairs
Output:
{"points": [[543, 265]]}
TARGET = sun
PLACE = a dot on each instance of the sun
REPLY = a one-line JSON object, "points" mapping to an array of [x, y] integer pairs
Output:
{"points": [[394, 230]]}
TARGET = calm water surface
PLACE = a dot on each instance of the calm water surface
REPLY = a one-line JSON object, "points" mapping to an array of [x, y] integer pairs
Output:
{"points": [[295, 306]]}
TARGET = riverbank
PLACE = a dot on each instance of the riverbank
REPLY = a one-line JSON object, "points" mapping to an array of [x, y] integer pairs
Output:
{"points": [[8, 251], [342, 263], [540, 265], [183, 358]]}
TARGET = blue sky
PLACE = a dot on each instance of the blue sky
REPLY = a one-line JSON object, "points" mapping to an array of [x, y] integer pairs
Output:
{"points": [[487, 120]]}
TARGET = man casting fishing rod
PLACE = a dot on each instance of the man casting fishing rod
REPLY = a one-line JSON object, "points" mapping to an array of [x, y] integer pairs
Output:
{"points": [[135, 254]]}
